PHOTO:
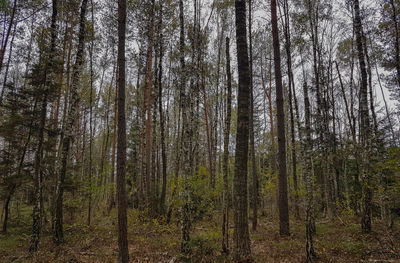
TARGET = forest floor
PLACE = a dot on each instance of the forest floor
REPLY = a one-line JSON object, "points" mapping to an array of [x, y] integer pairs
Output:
{"points": [[338, 240]]}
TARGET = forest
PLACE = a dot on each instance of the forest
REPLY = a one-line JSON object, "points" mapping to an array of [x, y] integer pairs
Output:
{"points": [[200, 131]]}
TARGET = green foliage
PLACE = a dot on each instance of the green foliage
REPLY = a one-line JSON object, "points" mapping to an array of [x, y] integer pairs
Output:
{"points": [[201, 195], [202, 245], [269, 183]]}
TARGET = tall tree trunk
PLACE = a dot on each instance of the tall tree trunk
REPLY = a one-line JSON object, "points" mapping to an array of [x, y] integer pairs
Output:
{"points": [[396, 41], [394, 138], [8, 64], [69, 127], [36, 215], [240, 218], [313, 21], [209, 143], [111, 199], [184, 103], [89, 215], [271, 120], [226, 197], [283, 195], [370, 87], [121, 150], [162, 122], [38, 207], [365, 126], [345, 102], [310, 254], [148, 103], [291, 111], [251, 128]]}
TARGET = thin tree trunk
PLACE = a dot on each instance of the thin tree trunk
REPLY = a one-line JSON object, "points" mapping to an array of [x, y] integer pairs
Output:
{"points": [[160, 108], [148, 102], [394, 138], [8, 65], [313, 21], [111, 200], [365, 126], [209, 144], [38, 207], [69, 127], [6, 207], [226, 197], [89, 215], [271, 120], [184, 103], [345, 102], [397, 41], [251, 129], [4, 44], [310, 254], [291, 111], [370, 87], [36, 215], [21, 162]]}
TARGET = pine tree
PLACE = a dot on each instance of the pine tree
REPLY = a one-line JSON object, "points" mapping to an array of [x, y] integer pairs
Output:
{"points": [[241, 249]]}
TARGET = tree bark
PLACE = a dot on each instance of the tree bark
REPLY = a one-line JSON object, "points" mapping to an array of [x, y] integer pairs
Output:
{"points": [[310, 254], [89, 215], [184, 103], [148, 102], [254, 201], [36, 215], [121, 150], [283, 195], [8, 64], [364, 126], [397, 41], [111, 200], [69, 127], [291, 111], [241, 229], [226, 197], [162, 122], [38, 207]]}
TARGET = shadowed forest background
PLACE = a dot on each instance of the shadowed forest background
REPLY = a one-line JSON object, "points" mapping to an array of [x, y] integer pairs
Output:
{"points": [[200, 131]]}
